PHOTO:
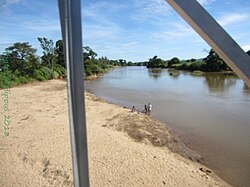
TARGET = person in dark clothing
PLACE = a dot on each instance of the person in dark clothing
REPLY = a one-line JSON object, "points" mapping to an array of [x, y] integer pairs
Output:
{"points": [[145, 110], [133, 109]]}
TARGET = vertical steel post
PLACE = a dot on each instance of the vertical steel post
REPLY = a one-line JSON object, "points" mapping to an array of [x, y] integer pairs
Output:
{"points": [[70, 17], [222, 43]]}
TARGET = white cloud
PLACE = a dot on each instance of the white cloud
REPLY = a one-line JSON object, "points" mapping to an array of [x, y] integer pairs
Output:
{"points": [[97, 25], [156, 6], [99, 9], [232, 18], [246, 47], [95, 32], [177, 32], [205, 2], [6, 4], [45, 26], [130, 44], [150, 11]]}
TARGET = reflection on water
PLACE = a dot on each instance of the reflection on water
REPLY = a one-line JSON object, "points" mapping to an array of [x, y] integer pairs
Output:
{"points": [[219, 82], [155, 73], [174, 73], [216, 82], [211, 112]]}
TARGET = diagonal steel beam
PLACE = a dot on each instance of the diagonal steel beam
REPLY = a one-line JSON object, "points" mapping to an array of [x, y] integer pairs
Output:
{"points": [[222, 43], [70, 18]]}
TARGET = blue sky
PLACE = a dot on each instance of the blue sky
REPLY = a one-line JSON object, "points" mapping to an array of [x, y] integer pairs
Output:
{"points": [[134, 30]]}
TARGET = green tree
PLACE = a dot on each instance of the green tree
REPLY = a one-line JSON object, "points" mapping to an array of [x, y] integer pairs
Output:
{"points": [[22, 59], [122, 62], [114, 62], [156, 62], [48, 52], [59, 53], [91, 65], [104, 63], [248, 52], [130, 63], [192, 60], [88, 53], [214, 62], [173, 61]]}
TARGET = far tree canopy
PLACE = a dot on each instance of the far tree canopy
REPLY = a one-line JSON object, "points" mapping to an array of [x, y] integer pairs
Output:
{"points": [[156, 62], [22, 58], [212, 63], [173, 61]]}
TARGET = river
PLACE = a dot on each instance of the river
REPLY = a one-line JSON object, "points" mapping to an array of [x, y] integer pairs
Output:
{"points": [[210, 112]]}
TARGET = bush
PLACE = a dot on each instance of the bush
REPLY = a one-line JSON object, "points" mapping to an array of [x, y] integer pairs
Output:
{"points": [[59, 71], [56, 75], [17, 79], [104, 66], [91, 69], [43, 74], [23, 79], [3, 79], [96, 69], [13, 79]]}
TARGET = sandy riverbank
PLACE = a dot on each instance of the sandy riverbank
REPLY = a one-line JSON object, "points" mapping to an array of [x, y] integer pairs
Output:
{"points": [[125, 149]]}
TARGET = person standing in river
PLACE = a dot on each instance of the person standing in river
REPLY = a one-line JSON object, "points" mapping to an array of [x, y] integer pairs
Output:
{"points": [[149, 109]]}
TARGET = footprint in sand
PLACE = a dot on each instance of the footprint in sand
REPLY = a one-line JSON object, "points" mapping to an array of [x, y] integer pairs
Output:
{"points": [[207, 171], [25, 118]]}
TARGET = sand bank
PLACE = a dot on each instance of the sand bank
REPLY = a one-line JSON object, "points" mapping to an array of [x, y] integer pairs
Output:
{"points": [[125, 149]]}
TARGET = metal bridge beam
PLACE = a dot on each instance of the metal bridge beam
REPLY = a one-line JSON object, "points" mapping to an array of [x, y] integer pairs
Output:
{"points": [[222, 43], [71, 24]]}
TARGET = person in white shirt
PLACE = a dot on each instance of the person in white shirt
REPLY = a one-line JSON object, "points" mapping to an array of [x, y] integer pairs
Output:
{"points": [[149, 108]]}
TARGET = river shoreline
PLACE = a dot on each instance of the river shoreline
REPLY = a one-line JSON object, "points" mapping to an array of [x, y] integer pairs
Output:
{"points": [[210, 109], [149, 130], [125, 149], [176, 140]]}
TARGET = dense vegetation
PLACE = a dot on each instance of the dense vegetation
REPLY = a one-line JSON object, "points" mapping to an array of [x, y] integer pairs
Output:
{"points": [[156, 62], [212, 63], [19, 63]]}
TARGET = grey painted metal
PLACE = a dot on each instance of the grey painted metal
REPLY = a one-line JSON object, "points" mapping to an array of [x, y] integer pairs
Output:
{"points": [[70, 16], [204, 24]]}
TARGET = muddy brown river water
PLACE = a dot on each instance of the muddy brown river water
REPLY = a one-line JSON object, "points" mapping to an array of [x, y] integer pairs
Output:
{"points": [[210, 112]]}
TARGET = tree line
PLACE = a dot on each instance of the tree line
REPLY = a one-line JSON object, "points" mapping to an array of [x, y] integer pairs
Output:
{"points": [[211, 63], [24, 65]]}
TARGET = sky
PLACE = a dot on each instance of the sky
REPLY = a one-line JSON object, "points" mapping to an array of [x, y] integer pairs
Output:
{"points": [[135, 30]]}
